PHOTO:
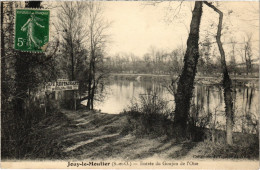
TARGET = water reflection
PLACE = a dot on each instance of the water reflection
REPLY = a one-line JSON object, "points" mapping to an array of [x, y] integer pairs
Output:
{"points": [[207, 100]]}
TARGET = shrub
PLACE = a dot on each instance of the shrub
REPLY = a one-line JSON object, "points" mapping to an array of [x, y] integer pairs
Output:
{"points": [[148, 116]]}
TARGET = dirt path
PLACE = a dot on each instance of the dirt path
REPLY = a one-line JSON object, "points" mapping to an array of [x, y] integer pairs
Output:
{"points": [[95, 135]]}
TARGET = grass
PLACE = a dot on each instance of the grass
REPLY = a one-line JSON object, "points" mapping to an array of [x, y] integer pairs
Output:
{"points": [[38, 142], [244, 146], [42, 143]]}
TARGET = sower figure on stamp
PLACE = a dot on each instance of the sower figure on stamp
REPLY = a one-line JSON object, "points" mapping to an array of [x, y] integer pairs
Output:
{"points": [[30, 26]]}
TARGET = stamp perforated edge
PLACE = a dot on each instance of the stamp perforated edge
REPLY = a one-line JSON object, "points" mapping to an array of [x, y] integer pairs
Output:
{"points": [[14, 33]]}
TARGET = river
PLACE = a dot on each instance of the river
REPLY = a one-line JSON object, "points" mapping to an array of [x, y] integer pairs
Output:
{"points": [[207, 99]]}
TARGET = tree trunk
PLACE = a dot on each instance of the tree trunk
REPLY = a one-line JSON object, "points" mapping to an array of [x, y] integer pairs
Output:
{"points": [[3, 63], [94, 84], [89, 85], [92, 96], [2, 43], [72, 93], [72, 58], [227, 84], [186, 82], [91, 72], [247, 68]]}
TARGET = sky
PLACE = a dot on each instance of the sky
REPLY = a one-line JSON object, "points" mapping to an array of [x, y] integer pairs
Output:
{"points": [[138, 26]]}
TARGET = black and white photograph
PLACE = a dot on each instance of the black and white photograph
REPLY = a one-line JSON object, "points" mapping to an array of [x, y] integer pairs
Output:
{"points": [[130, 84]]}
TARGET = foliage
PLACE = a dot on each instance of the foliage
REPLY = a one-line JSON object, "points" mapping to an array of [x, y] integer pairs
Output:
{"points": [[149, 116]]}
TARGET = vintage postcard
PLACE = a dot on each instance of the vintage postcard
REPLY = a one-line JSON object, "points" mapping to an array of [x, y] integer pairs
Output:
{"points": [[130, 85]]}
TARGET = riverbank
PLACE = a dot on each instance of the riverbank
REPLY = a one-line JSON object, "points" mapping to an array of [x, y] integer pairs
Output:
{"points": [[95, 135], [205, 80]]}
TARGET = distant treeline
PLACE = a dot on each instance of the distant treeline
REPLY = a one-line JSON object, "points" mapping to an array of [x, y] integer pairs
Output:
{"points": [[161, 62]]}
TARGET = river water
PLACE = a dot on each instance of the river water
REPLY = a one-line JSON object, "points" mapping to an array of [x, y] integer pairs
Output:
{"points": [[207, 99]]}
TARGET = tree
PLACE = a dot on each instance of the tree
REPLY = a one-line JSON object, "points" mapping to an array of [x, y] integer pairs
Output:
{"points": [[6, 49], [73, 54], [248, 53], [205, 50], [176, 64], [186, 81], [72, 33], [96, 27], [233, 57], [227, 83]]}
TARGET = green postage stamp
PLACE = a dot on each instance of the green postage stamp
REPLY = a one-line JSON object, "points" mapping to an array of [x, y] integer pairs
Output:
{"points": [[31, 30]]}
